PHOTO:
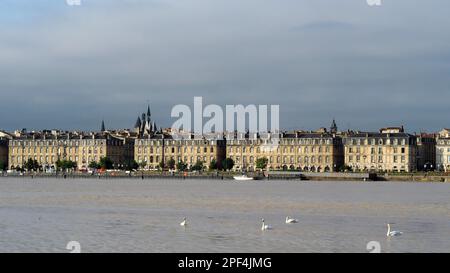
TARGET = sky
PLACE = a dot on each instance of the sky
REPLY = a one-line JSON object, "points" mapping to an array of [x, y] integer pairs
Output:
{"points": [[68, 67]]}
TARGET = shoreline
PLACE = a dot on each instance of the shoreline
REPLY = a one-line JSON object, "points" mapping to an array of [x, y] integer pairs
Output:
{"points": [[355, 177]]}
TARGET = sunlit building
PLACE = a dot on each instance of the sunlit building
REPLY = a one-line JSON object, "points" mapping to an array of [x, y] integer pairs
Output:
{"points": [[443, 150], [389, 150]]}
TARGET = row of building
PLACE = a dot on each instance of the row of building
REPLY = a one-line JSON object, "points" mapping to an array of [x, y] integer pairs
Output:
{"points": [[389, 150]]}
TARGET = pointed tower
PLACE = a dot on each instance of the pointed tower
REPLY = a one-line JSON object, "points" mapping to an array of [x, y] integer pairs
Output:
{"points": [[333, 128], [137, 125], [103, 126], [148, 114]]}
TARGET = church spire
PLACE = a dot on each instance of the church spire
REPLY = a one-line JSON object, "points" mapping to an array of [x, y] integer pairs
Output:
{"points": [[103, 126], [138, 123], [333, 128]]}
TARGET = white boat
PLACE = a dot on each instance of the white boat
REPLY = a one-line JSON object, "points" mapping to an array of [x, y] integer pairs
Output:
{"points": [[243, 178]]}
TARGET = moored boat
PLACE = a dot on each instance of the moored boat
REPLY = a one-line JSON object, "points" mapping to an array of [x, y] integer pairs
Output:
{"points": [[243, 178]]}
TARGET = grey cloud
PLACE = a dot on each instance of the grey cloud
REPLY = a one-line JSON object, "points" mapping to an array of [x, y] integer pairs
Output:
{"points": [[367, 67]]}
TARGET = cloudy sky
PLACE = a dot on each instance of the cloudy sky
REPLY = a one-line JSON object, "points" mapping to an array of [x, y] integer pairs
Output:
{"points": [[69, 67]]}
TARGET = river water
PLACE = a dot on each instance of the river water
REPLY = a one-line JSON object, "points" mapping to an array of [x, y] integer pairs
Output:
{"points": [[130, 215]]}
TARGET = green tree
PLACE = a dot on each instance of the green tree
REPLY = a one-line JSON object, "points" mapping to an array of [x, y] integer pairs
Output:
{"points": [[213, 165], [2, 166], [171, 164], [228, 164], [65, 164], [132, 165], [106, 163], [345, 168], [162, 166], [198, 166], [143, 164], [261, 163], [31, 165], [181, 166], [94, 165]]}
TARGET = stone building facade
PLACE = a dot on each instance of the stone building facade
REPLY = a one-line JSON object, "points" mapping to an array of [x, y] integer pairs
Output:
{"points": [[390, 150], [443, 151], [160, 148], [301, 151], [48, 147]]}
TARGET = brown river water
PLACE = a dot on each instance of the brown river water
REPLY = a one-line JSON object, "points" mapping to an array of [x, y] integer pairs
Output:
{"points": [[131, 215]]}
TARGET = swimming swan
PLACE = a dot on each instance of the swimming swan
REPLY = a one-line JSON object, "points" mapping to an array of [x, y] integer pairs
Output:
{"points": [[264, 226], [392, 233], [290, 220]]}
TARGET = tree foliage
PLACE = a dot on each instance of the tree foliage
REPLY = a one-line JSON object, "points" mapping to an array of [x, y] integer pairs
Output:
{"points": [[32, 165], [171, 164], [213, 165], [65, 164], [261, 163], [198, 166], [181, 166], [106, 163], [228, 164], [94, 165]]}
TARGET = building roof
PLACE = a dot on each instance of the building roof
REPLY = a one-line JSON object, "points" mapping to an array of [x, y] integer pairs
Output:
{"points": [[377, 135]]}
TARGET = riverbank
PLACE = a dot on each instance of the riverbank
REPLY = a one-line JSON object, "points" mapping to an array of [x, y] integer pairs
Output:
{"points": [[366, 177]]}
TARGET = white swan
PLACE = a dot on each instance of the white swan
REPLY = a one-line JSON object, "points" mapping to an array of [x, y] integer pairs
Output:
{"points": [[184, 223], [392, 233], [264, 226], [290, 220]]}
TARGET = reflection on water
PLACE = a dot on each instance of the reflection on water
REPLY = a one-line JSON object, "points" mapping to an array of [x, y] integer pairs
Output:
{"points": [[224, 216]]}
